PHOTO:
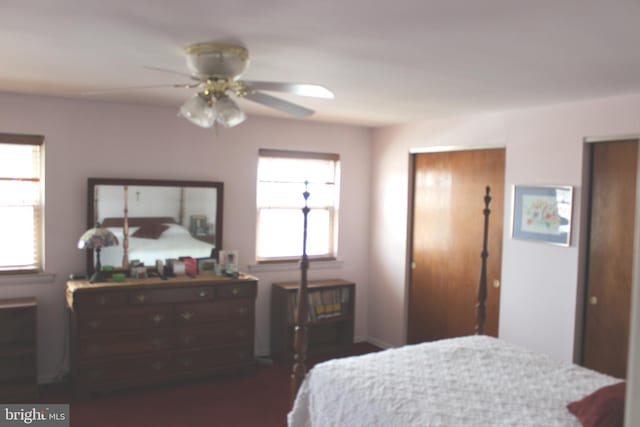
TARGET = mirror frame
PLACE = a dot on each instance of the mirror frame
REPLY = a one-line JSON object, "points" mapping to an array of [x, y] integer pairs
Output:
{"points": [[93, 182]]}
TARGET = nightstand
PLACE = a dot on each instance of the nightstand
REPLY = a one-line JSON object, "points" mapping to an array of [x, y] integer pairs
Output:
{"points": [[18, 355]]}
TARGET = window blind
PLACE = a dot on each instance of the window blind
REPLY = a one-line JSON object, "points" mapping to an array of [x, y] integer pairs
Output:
{"points": [[21, 203]]}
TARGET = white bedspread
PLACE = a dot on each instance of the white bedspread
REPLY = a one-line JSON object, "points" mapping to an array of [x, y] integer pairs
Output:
{"points": [[470, 381], [172, 243]]}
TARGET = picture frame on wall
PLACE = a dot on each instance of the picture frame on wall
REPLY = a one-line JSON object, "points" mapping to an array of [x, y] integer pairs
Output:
{"points": [[542, 213]]}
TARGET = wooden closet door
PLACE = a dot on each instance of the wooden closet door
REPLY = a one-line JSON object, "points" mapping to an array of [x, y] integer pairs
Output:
{"points": [[610, 268], [447, 230]]}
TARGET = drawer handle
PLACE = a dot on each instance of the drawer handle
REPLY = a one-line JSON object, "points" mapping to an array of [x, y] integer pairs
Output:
{"points": [[157, 318], [203, 294], [141, 297], [186, 339], [242, 310], [102, 300], [235, 291], [158, 366], [94, 324], [186, 362], [186, 315]]}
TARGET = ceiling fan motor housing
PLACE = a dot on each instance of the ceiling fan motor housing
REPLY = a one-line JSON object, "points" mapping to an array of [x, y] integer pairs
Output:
{"points": [[216, 60]]}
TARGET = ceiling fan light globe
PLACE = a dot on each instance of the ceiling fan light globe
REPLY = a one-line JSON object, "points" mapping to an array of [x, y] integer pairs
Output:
{"points": [[228, 114], [198, 111], [216, 60]]}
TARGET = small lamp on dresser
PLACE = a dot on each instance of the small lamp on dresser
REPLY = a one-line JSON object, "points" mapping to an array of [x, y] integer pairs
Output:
{"points": [[97, 238]]}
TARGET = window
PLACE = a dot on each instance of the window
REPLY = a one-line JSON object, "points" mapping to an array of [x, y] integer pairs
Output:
{"points": [[281, 178], [21, 203]]}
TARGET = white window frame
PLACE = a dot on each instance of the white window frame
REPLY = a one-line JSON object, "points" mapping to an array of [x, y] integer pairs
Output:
{"points": [[333, 209], [38, 213]]}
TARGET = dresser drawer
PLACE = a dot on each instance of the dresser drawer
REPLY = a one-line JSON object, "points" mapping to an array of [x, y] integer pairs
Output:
{"points": [[218, 334], [188, 314], [236, 290], [97, 346], [159, 296], [125, 319], [95, 300], [206, 359]]}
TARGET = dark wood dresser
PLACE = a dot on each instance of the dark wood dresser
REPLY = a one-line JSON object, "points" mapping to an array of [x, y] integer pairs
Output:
{"points": [[18, 355], [148, 331]]}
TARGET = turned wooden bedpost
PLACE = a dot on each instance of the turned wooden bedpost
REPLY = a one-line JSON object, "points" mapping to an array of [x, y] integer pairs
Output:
{"points": [[125, 230], [300, 334], [481, 309]]}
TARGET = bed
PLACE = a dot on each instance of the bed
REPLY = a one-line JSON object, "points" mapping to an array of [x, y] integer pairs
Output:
{"points": [[469, 381], [156, 242], [466, 381]]}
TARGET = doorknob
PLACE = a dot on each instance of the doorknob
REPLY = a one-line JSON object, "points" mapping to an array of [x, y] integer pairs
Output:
{"points": [[593, 300], [496, 283]]}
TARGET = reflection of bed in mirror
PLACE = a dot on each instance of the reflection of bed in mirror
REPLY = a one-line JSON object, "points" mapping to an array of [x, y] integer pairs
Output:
{"points": [[155, 219], [153, 238]]}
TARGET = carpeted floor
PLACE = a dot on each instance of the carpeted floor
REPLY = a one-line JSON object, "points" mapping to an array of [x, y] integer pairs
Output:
{"points": [[251, 400]]}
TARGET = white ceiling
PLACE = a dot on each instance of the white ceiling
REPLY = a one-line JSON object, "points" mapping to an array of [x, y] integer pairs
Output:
{"points": [[386, 61]]}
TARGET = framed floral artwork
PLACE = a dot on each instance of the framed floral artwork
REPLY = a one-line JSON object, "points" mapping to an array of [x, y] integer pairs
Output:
{"points": [[542, 213]]}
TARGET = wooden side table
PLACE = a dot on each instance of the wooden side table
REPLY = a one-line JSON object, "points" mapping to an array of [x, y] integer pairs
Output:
{"points": [[331, 318], [18, 350]]}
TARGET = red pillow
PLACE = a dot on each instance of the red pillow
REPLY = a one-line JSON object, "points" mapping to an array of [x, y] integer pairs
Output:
{"points": [[602, 408], [150, 231]]}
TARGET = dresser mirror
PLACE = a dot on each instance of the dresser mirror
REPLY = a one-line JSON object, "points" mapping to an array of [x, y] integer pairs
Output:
{"points": [[155, 219]]}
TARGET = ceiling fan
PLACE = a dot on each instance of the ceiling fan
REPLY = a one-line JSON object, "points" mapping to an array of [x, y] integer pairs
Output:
{"points": [[216, 68]]}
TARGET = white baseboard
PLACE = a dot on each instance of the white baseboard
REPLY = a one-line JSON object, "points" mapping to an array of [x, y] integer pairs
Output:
{"points": [[374, 341], [377, 342]]}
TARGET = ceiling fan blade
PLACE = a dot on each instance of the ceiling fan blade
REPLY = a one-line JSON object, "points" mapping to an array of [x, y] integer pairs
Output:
{"points": [[303, 89], [279, 104], [165, 70], [132, 88]]}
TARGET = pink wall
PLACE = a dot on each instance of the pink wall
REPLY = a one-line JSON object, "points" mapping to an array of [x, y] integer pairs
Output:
{"points": [[540, 283], [90, 139]]}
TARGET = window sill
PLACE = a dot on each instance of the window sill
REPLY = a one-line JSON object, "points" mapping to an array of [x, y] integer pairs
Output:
{"points": [[293, 266], [35, 278]]}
